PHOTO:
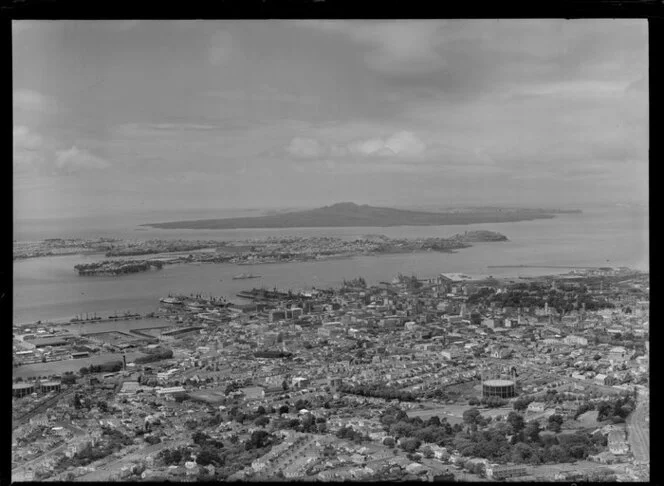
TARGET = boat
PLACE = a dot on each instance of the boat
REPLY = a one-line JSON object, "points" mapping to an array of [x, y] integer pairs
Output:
{"points": [[245, 275]]}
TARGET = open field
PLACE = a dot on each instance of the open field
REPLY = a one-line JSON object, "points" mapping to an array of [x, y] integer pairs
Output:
{"points": [[588, 419], [117, 337], [452, 413], [59, 367], [552, 469], [119, 325]]}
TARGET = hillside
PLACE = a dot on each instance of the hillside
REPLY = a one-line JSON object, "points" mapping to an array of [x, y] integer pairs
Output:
{"points": [[350, 214]]}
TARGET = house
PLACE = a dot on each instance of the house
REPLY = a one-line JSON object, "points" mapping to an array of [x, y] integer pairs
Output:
{"points": [[253, 393], [171, 391], [536, 406], [602, 379], [617, 443], [568, 407], [439, 452], [450, 354], [501, 353], [618, 354], [576, 340]]}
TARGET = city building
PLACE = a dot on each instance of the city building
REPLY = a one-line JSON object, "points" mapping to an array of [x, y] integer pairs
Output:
{"points": [[494, 471]]}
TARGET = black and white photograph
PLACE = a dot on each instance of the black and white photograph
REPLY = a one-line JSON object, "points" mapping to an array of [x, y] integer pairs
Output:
{"points": [[330, 250]]}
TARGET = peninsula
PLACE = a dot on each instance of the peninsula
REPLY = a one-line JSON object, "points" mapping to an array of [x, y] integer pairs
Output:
{"points": [[351, 214], [156, 253]]}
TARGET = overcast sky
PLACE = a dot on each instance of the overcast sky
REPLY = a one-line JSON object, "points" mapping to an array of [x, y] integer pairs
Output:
{"points": [[128, 115]]}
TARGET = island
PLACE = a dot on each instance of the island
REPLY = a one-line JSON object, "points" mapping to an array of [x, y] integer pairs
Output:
{"points": [[350, 214], [116, 267]]}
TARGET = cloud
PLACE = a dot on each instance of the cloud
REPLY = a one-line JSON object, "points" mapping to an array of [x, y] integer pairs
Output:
{"points": [[24, 139], [29, 100], [394, 46], [28, 154], [306, 147], [125, 25], [639, 85], [75, 160], [400, 144], [161, 129], [220, 48]]}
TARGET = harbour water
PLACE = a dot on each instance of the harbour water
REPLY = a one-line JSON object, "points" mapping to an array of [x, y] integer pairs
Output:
{"points": [[48, 288]]}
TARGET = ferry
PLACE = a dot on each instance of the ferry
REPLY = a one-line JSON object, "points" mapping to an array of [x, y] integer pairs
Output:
{"points": [[245, 275]]}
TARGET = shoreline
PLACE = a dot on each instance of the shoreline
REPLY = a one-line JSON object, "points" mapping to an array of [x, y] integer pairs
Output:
{"points": [[472, 278], [157, 253]]}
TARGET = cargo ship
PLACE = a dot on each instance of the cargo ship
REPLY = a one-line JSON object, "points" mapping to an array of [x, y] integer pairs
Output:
{"points": [[245, 275], [86, 319]]}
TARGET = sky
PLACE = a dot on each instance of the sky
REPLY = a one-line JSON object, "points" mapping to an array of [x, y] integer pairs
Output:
{"points": [[130, 116]]}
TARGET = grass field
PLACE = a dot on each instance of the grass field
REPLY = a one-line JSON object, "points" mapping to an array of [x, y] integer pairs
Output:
{"points": [[453, 413]]}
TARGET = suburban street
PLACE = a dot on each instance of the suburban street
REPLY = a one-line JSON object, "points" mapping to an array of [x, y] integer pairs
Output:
{"points": [[42, 407], [105, 471], [639, 433]]}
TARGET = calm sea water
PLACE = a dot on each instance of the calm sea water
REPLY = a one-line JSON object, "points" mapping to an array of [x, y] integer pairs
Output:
{"points": [[49, 288]]}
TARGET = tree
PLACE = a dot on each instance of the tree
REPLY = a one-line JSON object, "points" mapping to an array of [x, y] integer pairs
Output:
{"points": [[152, 439], [410, 445], [444, 477], [258, 439], [471, 416], [522, 453], [208, 456], [555, 422], [532, 430], [516, 422], [283, 409], [557, 454], [300, 404], [389, 442], [199, 438], [262, 421], [520, 404], [68, 379]]}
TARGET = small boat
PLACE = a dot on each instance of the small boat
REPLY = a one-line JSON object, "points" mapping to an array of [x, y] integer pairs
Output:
{"points": [[245, 275]]}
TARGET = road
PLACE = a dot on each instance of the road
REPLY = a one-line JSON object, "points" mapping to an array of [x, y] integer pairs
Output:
{"points": [[42, 407], [639, 433], [73, 429], [105, 471], [18, 470]]}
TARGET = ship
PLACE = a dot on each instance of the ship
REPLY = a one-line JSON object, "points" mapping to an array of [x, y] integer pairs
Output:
{"points": [[245, 275], [170, 300]]}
